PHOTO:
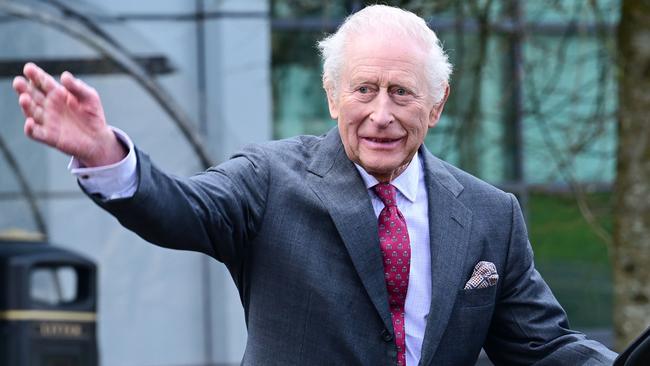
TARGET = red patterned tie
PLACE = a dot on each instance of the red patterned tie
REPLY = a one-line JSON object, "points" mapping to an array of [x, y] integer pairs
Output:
{"points": [[396, 251]]}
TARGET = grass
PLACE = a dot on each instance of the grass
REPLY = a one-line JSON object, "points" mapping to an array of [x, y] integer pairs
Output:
{"points": [[558, 231], [572, 258]]}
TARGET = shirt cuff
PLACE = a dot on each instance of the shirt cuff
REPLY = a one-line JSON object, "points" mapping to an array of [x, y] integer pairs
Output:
{"points": [[114, 181]]}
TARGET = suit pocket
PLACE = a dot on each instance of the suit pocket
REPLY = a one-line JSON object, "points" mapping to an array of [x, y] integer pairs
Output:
{"points": [[476, 297]]}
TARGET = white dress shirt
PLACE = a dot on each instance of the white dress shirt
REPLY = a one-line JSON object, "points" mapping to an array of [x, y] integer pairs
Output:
{"points": [[120, 180], [413, 203]]}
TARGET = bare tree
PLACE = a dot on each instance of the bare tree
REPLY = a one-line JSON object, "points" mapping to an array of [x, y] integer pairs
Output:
{"points": [[632, 220]]}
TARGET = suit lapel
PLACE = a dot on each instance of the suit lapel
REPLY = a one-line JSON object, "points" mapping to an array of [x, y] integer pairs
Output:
{"points": [[337, 183], [449, 227]]}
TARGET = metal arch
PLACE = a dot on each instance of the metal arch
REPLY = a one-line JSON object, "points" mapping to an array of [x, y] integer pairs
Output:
{"points": [[26, 188], [123, 61]]}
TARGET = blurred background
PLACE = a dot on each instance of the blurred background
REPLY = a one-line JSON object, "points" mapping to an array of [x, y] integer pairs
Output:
{"points": [[546, 98]]}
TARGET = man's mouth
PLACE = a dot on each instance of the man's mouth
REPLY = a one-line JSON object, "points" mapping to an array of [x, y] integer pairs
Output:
{"points": [[381, 142]]}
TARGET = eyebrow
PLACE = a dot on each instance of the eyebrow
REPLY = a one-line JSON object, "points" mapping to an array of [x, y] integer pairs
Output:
{"points": [[360, 80], [410, 85], [362, 75]]}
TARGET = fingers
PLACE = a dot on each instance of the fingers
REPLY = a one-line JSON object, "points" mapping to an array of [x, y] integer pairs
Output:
{"points": [[77, 87], [30, 109], [31, 89], [38, 85], [38, 78], [35, 131], [38, 91], [22, 86]]}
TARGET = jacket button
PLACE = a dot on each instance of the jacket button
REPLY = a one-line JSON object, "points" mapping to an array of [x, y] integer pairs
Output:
{"points": [[386, 336]]}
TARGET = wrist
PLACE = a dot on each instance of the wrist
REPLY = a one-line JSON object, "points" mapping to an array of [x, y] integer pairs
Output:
{"points": [[109, 152]]}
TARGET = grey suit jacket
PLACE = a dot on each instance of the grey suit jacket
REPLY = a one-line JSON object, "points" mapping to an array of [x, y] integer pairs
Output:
{"points": [[294, 225]]}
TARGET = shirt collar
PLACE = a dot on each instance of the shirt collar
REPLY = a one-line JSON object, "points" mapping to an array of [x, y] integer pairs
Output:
{"points": [[406, 183]]}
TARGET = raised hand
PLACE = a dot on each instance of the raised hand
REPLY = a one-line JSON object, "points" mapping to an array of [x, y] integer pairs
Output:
{"points": [[67, 116]]}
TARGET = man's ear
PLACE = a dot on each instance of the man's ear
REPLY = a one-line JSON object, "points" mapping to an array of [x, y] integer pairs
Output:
{"points": [[332, 102], [436, 111]]}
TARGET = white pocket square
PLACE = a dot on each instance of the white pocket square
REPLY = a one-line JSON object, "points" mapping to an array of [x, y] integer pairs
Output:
{"points": [[484, 275]]}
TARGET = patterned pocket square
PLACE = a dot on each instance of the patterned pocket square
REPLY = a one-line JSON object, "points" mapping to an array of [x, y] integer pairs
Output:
{"points": [[485, 275]]}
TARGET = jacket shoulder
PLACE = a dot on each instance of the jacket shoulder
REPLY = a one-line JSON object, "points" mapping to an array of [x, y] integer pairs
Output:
{"points": [[476, 191], [292, 154]]}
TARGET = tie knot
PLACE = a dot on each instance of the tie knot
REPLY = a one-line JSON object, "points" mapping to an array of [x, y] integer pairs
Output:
{"points": [[386, 193]]}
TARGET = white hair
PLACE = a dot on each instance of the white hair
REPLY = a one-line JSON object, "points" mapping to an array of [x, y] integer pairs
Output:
{"points": [[382, 20]]}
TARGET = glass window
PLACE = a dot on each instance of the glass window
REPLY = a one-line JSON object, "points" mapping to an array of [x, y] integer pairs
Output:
{"points": [[300, 104], [292, 9], [569, 112]]}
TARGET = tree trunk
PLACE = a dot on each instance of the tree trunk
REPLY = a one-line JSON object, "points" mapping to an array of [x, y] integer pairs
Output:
{"points": [[631, 254]]}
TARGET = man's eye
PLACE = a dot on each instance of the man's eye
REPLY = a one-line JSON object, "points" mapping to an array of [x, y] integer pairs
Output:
{"points": [[363, 89], [401, 91]]}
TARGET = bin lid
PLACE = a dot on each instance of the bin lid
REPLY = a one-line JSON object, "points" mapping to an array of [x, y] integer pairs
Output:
{"points": [[14, 234], [13, 246]]}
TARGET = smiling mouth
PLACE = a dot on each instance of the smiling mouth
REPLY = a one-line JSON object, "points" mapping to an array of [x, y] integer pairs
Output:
{"points": [[380, 143], [381, 140]]}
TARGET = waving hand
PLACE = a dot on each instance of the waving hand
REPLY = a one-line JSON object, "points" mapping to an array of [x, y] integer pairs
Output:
{"points": [[67, 116]]}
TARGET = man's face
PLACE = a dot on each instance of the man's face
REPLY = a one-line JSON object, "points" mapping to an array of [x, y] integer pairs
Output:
{"points": [[384, 106]]}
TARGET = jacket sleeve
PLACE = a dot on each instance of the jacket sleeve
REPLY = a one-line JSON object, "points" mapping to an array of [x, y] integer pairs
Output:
{"points": [[215, 212], [529, 326]]}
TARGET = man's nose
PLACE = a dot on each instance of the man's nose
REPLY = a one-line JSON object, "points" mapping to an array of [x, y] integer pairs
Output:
{"points": [[382, 109]]}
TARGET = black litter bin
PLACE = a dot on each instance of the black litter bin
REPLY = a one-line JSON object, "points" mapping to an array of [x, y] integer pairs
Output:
{"points": [[48, 302]]}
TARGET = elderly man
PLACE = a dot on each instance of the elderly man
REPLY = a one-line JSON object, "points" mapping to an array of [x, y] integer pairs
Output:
{"points": [[354, 248]]}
